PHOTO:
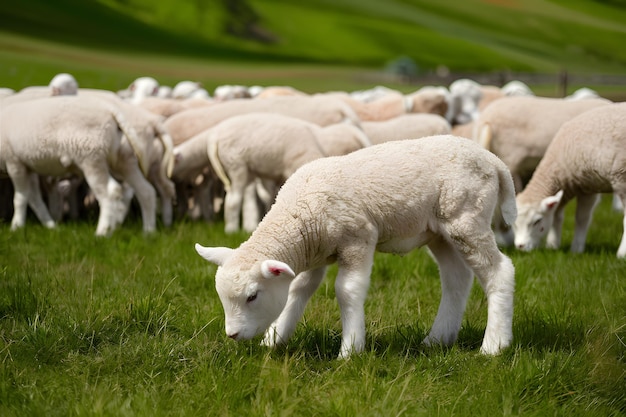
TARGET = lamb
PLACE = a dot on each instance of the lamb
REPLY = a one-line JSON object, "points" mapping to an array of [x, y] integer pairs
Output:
{"points": [[158, 151], [320, 110], [439, 191], [586, 157], [519, 129], [407, 126], [65, 135], [270, 147]]}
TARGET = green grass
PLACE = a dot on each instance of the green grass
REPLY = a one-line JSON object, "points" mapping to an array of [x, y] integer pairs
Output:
{"points": [[132, 326]]}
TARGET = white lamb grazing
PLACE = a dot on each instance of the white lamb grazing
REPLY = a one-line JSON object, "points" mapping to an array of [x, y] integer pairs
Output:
{"points": [[341, 139], [519, 129], [439, 191], [586, 157], [415, 126], [141, 88], [316, 109], [59, 136]]}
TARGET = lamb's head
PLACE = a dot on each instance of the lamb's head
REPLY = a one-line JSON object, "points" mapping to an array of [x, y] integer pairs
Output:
{"points": [[534, 220], [252, 297]]}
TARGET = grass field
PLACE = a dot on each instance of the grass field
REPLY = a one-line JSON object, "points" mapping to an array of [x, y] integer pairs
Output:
{"points": [[132, 326]]}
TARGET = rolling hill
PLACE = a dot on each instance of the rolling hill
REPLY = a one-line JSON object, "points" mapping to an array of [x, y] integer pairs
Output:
{"points": [[203, 40]]}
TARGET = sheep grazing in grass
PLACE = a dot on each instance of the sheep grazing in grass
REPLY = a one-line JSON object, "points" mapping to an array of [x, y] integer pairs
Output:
{"points": [[439, 191], [65, 135], [586, 157]]}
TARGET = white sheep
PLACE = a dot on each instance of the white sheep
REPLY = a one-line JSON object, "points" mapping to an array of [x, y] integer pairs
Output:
{"points": [[266, 146], [319, 109], [141, 88], [157, 149], [439, 191], [230, 92], [586, 157], [64, 84], [59, 136], [519, 129], [415, 125], [394, 104]]}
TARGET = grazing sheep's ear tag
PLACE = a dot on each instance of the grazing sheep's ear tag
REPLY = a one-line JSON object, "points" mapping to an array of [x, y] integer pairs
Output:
{"points": [[215, 255], [549, 203], [273, 269]]}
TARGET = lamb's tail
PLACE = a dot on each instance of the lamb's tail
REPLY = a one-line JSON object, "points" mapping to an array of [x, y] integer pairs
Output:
{"points": [[506, 195], [217, 164], [483, 135], [138, 147]]}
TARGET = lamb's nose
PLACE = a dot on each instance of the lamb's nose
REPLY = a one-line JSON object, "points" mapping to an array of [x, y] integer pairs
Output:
{"points": [[234, 336]]}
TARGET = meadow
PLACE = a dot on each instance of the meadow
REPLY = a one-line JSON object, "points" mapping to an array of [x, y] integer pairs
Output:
{"points": [[131, 325]]}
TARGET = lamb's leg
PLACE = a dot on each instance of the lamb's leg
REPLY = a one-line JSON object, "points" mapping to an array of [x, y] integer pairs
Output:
{"points": [[456, 283], [495, 273], [584, 212], [351, 285], [27, 192], [107, 191], [553, 240], [300, 292], [621, 251], [251, 213], [146, 195], [232, 208]]}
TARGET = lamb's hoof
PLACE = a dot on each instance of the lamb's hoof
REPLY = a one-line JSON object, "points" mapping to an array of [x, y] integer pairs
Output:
{"points": [[271, 338]]}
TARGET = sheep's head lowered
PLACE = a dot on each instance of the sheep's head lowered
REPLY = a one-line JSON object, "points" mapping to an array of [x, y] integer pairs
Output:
{"points": [[534, 221], [252, 298]]}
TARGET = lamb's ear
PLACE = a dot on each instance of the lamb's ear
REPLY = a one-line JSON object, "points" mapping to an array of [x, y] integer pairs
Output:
{"points": [[217, 255], [273, 269], [550, 203]]}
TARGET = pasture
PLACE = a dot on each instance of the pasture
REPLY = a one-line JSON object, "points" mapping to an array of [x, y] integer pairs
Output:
{"points": [[132, 326]]}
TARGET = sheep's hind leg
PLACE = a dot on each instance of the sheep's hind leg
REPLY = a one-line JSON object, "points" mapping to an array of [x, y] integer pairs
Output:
{"points": [[456, 283], [300, 292], [496, 274], [27, 192], [585, 206], [146, 195], [232, 208], [621, 251], [109, 194]]}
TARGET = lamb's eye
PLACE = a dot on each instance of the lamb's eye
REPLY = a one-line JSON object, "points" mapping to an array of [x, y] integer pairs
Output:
{"points": [[536, 222], [251, 298]]}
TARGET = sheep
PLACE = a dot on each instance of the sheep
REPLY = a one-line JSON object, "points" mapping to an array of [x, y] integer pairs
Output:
{"points": [[158, 151], [587, 157], [167, 107], [229, 92], [519, 129], [320, 110], [439, 191], [407, 126], [141, 88], [267, 146], [187, 89], [65, 135], [467, 98], [393, 104]]}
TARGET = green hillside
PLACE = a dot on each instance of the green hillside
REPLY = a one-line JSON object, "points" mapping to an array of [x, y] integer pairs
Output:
{"points": [[174, 39]]}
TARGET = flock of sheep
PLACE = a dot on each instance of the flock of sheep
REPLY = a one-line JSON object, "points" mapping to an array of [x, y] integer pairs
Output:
{"points": [[323, 178]]}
